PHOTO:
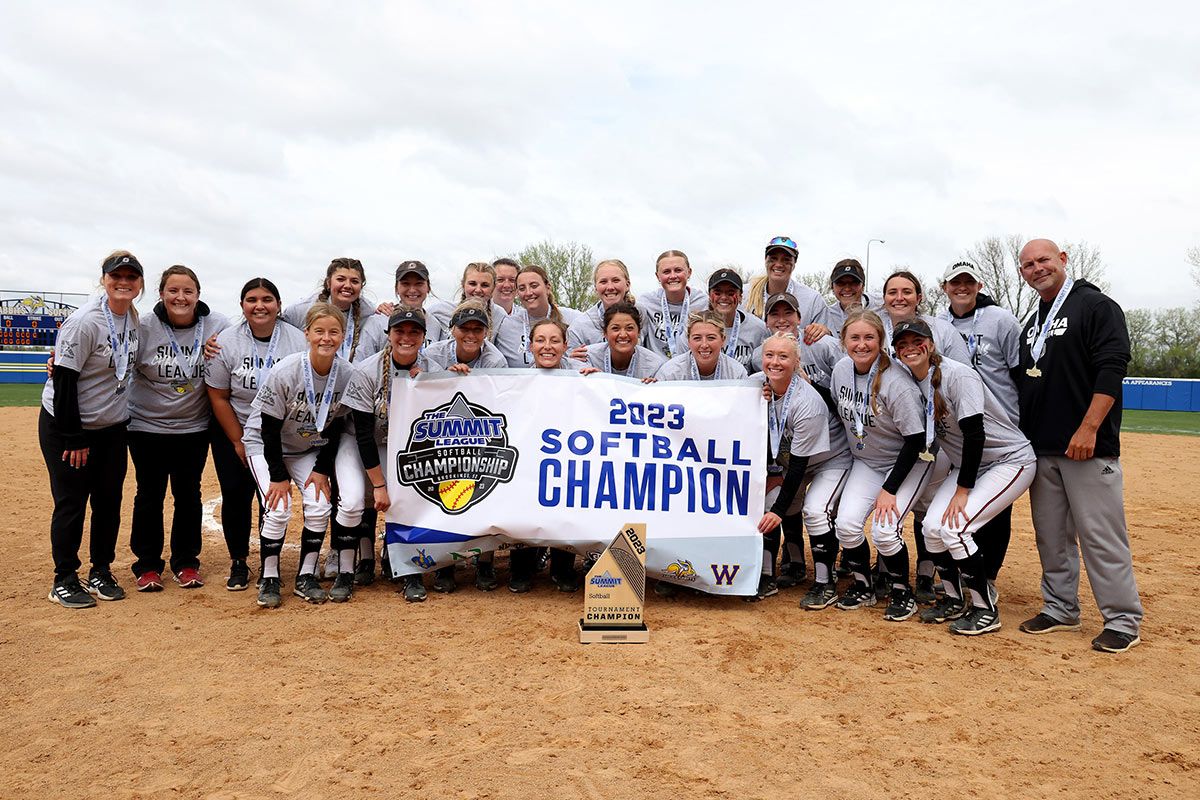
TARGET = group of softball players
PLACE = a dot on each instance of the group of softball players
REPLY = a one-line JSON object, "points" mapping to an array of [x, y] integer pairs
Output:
{"points": [[875, 412]]}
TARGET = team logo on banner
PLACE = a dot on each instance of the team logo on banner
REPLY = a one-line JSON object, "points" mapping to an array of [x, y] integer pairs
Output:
{"points": [[457, 454]]}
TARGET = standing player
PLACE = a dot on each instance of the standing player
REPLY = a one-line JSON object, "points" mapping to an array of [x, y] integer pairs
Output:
{"points": [[746, 332], [666, 310], [537, 304], [345, 280], [81, 430], [881, 409], [848, 280], [170, 417], [1075, 351], [292, 436], [610, 279], [245, 355], [817, 358], [992, 465], [412, 290], [506, 283], [781, 254], [619, 352], [478, 283]]}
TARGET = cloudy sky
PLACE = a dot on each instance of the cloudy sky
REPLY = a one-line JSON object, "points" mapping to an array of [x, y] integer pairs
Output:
{"points": [[267, 138]]}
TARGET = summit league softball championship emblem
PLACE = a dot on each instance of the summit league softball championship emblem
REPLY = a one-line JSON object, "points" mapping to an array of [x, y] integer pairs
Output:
{"points": [[457, 453]]}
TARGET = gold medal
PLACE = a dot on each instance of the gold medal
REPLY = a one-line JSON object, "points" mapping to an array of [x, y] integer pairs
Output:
{"points": [[926, 456], [1033, 372]]}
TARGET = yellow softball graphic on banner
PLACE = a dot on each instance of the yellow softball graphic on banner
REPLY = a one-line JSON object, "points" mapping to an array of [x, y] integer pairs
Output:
{"points": [[455, 494]]}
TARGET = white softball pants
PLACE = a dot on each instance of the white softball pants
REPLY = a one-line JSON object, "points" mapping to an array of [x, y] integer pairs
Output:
{"points": [[995, 489], [858, 502], [355, 492], [275, 520]]}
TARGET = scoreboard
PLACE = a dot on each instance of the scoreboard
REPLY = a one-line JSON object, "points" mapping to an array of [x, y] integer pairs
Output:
{"points": [[34, 330]]}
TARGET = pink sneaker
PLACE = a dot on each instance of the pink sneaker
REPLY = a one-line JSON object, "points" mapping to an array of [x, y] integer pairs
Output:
{"points": [[189, 578], [149, 581]]}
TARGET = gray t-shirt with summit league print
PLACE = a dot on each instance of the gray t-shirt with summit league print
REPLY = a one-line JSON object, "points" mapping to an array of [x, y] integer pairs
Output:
{"points": [[898, 412], [966, 395], [654, 330], [283, 396], [645, 363], [83, 345], [751, 332], [243, 357], [997, 350], [444, 354], [680, 368], [168, 394], [365, 392], [513, 336]]}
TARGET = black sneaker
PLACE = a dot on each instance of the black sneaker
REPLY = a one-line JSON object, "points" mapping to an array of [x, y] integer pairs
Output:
{"points": [[68, 592], [792, 573], [364, 572], [766, 588], [308, 588], [414, 589], [924, 593], [901, 605], [1110, 641], [819, 596], [103, 586], [270, 592], [485, 576], [977, 621], [343, 587], [543, 559], [859, 595], [567, 582], [664, 589], [443, 580], [944, 610], [239, 576], [519, 584], [1044, 623]]}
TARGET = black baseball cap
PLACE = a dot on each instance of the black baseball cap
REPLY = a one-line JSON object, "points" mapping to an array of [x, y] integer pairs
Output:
{"points": [[413, 315], [116, 262], [469, 314], [916, 326], [725, 276], [783, 243], [847, 268], [412, 268], [782, 297]]}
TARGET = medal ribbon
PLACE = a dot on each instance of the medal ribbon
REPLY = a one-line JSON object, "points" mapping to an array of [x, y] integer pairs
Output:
{"points": [[1039, 344], [670, 331], [861, 413], [319, 410], [777, 413], [121, 362], [267, 361]]}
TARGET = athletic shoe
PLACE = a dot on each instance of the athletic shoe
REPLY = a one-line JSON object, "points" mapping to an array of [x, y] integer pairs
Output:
{"points": [[443, 580], [149, 581], [270, 593], [189, 578], [308, 589], [1044, 623], [543, 559], [901, 605], [859, 595], [364, 572], [343, 587], [766, 588], [485, 576], [791, 573], [944, 610], [977, 621], [239, 576], [664, 589], [414, 589], [567, 582], [1110, 641], [820, 595], [924, 592], [69, 593], [331, 564], [103, 585]]}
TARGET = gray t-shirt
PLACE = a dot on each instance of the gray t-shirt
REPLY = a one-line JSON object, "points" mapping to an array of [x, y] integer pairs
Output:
{"points": [[368, 332], [243, 358], [655, 330], [812, 305], [283, 396], [83, 344], [683, 368], [367, 392], [443, 355], [168, 394], [512, 338], [644, 364], [997, 349], [945, 338], [837, 314], [751, 332], [966, 395], [817, 359], [587, 328], [895, 412], [443, 310]]}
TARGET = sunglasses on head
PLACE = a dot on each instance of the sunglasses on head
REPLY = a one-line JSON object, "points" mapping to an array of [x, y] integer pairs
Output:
{"points": [[782, 241]]}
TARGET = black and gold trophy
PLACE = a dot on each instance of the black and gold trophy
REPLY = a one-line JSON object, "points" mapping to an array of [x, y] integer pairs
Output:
{"points": [[615, 591]]}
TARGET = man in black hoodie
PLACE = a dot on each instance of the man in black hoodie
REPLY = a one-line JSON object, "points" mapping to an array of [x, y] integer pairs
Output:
{"points": [[1074, 354]]}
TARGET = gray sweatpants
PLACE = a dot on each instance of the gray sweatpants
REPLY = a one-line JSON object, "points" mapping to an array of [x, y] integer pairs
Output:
{"points": [[1080, 505]]}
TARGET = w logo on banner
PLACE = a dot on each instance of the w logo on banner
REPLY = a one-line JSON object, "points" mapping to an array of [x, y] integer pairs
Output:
{"points": [[724, 574]]}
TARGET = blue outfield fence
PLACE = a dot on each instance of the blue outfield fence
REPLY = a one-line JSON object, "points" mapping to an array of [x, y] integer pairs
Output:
{"points": [[23, 366], [1161, 394]]}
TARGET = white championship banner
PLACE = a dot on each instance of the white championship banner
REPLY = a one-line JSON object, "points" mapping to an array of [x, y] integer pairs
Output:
{"points": [[500, 458]]}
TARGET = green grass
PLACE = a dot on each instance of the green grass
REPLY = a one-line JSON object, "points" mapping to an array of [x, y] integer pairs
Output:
{"points": [[20, 394], [1186, 423]]}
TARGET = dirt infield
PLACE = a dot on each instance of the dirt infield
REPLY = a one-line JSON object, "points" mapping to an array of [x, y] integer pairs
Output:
{"points": [[200, 694]]}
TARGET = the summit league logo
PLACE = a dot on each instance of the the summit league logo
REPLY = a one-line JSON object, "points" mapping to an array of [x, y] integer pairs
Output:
{"points": [[456, 455]]}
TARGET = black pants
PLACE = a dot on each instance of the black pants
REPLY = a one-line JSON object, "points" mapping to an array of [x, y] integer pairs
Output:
{"points": [[157, 458], [993, 539], [100, 482], [238, 491]]}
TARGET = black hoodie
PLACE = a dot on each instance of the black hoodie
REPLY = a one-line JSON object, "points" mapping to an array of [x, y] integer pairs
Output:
{"points": [[1087, 353]]}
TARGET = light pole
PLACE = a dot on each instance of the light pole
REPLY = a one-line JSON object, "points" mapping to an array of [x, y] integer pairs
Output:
{"points": [[867, 268]]}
